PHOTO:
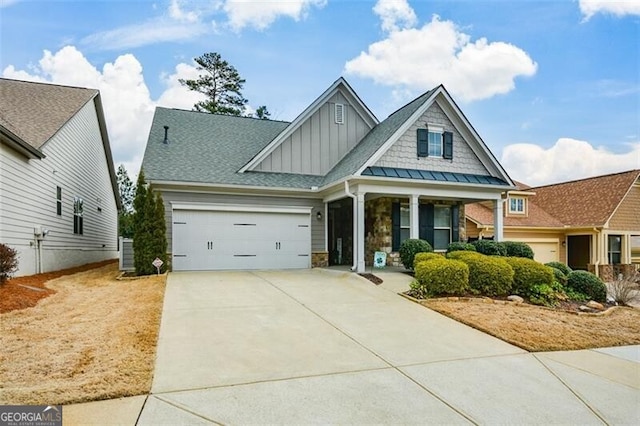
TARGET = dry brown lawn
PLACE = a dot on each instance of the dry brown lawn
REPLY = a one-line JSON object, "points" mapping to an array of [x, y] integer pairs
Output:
{"points": [[538, 329], [94, 338]]}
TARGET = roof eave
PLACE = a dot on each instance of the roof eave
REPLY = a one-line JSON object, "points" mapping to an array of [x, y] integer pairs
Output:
{"points": [[17, 143], [107, 149]]}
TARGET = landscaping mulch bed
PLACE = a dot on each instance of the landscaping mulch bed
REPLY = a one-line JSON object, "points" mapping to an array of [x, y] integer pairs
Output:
{"points": [[25, 292]]}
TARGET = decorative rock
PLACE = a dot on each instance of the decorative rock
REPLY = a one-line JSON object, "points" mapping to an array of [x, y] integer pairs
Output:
{"points": [[584, 308], [595, 305], [515, 299]]}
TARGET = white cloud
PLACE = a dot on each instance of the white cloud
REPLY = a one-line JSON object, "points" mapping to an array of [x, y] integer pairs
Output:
{"points": [[127, 102], [395, 14], [568, 159], [261, 14], [6, 3], [422, 58], [177, 13], [614, 7]]}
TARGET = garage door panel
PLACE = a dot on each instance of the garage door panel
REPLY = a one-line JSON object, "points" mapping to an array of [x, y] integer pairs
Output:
{"points": [[213, 240]]}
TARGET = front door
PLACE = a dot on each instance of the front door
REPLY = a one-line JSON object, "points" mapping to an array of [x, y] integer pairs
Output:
{"points": [[340, 229], [578, 251]]}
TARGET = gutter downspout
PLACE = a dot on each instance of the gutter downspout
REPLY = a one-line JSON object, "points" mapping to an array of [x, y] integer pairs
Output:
{"points": [[348, 193], [596, 264]]}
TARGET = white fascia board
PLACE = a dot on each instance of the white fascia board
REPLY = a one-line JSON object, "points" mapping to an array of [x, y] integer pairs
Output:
{"points": [[466, 193], [308, 112], [228, 188], [251, 208], [401, 131]]}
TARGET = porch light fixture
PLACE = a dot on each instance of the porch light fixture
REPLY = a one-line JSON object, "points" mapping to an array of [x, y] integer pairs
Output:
{"points": [[564, 244], [319, 215]]}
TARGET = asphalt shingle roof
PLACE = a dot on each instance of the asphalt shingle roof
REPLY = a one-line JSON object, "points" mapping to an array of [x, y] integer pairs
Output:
{"points": [[211, 148], [36, 111]]}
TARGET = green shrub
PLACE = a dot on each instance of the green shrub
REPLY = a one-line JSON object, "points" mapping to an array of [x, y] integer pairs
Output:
{"points": [[518, 249], [423, 257], [8, 262], [559, 265], [463, 254], [441, 277], [409, 248], [546, 294], [528, 273], [456, 246], [490, 247], [559, 275], [588, 284], [149, 229], [488, 275]]}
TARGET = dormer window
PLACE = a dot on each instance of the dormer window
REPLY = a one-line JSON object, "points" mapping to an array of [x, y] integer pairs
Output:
{"points": [[516, 205]]}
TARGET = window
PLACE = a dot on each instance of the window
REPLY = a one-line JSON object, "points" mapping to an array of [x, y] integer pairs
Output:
{"points": [[441, 227], [615, 249], [58, 201], [78, 207], [516, 205], [339, 113], [435, 144], [405, 222]]}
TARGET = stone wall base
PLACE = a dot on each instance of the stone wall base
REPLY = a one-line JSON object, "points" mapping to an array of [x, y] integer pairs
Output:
{"points": [[608, 273], [319, 259]]}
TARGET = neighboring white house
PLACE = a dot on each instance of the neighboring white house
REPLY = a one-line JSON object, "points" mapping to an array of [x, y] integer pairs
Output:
{"points": [[332, 187], [58, 194]]}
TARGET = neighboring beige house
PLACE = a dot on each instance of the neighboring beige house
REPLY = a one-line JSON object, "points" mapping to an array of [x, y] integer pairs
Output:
{"points": [[331, 187], [58, 196], [589, 224]]}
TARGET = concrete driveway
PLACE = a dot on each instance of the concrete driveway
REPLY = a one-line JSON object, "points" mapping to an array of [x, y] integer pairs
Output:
{"points": [[319, 346]]}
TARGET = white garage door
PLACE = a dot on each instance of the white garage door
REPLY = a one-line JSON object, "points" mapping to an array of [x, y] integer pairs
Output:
{"points": [[545, 252], [217, 240]]}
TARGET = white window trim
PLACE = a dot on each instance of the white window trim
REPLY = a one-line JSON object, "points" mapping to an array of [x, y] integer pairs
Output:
{"points": [[449, 228], [516, 211], [432, 128]]}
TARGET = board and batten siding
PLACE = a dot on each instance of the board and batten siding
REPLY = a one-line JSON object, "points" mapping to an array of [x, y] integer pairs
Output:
{"points": [[403, 153], [75, 161], [319, 143], [317, 226]]}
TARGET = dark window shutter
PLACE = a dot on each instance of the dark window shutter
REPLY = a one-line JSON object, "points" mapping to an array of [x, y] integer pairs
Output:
{"points": [[423, 142], [448, 145], [425, 219], [395, 226], [455, 223]]}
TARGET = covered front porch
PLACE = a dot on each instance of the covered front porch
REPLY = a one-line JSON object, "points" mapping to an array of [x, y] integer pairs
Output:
{"points": [[369, 216]]}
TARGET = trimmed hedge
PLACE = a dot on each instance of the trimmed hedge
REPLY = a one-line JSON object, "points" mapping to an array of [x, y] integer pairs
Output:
{"points": [[559, 275], [561, 266], [463, 254], [518, 249], [456, 246], [529, 274], [441, 277], [490, 247], [423, 257], [488, 275], [588, 284], [409, 248]]}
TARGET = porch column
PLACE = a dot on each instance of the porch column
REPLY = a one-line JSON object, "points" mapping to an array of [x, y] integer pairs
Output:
{"points": [[360, 232], [414, 230], [498, 220]]}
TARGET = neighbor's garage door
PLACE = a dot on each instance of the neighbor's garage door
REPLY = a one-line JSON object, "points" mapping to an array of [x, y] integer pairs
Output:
{"points": [[215, 240]]}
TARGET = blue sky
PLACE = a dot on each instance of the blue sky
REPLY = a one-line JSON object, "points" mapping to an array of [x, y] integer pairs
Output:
{"points": [[553, 87]]}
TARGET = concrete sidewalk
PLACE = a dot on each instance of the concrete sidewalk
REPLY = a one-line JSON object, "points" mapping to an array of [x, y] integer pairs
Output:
{"points": [[320, 346]]}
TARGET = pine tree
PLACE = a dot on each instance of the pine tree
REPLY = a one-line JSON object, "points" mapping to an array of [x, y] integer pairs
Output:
{"points": [[127, 191], [149, 229]]}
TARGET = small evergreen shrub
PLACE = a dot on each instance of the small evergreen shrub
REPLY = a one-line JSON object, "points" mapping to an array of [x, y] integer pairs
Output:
{"points": [[463, 254], [559, 275], [441, 277], [559, 265], [409, 248], [546, 295], [456, 246], [518, 249], [588, 284], [490, 247], [527, 274], [8, 262], [490, 276], [423, 257]]}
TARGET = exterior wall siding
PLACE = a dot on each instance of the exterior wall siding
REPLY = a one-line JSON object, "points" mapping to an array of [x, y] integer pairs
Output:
{"points": [[319, 143], [75, 161], [317, 226], [627, 216], [403, 153]]}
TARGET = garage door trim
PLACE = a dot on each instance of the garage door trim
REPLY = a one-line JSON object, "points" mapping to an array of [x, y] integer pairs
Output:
{"points": [[249, 208]]}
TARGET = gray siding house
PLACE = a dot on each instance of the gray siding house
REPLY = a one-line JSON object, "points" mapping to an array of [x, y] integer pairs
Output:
{"points": [[58, 196], [330, 188]]}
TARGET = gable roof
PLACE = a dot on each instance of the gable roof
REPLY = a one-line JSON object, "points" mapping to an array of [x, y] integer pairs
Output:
{"points": [[210, 148], [587, 202], [32, 113], [340, 85]]}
